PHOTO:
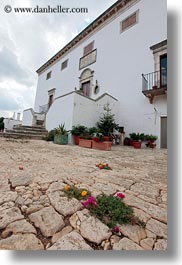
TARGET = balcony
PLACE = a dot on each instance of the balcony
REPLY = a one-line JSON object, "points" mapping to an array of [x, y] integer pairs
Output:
{"points": [[154, 84]]}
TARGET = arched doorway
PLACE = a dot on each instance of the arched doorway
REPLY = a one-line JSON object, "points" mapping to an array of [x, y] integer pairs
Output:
{"points": [[86, 79]]}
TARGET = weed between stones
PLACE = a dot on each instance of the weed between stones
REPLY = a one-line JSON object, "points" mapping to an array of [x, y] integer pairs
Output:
{"points": [[110, 210]]}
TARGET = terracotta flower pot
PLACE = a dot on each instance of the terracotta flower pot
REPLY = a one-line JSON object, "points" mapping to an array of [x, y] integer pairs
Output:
{"points": [[107, 138], [137, 145], [102, 145], [85, 143], [96, 139], [76, 139]]}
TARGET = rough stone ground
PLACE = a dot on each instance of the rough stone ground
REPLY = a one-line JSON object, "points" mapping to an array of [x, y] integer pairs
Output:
{"points": [[35, 214]]}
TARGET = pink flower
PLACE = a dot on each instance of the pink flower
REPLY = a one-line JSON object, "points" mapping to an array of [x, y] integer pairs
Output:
{"points": [[116, 229], [86, 203], [120, 195], [90, 200]]}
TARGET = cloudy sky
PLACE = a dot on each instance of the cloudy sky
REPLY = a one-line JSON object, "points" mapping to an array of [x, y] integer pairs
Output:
{"points": [[28, 40]]}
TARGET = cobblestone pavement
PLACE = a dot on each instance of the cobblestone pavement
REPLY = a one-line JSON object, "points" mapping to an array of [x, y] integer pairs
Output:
{"points": [[34, 213]]}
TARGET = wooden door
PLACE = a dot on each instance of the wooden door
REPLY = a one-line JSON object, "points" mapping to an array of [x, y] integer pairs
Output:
{"points": [[163, 132], [86, 89]]}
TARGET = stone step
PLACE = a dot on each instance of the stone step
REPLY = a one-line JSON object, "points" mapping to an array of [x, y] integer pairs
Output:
{"points": [[30, 128], [27, 132], [22, 136]]}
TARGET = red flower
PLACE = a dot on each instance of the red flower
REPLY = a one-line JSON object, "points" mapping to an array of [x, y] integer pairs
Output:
{"points": [[116, 229], [120, 195], [21, 168]]}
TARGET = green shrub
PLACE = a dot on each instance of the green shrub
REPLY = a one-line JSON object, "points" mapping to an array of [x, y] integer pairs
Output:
{"points": [[2, 123], [112, 211], [50, 136], [78, 130]]}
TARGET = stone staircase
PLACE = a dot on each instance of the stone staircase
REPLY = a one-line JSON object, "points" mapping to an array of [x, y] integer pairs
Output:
{"points": [[26, 132]]}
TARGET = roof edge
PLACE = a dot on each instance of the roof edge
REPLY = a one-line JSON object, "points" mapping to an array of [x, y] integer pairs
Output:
{"points": [[85, 32]]}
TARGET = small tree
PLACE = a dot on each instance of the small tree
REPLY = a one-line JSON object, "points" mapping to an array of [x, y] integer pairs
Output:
{"points": [[106, 123], [1, 123]]}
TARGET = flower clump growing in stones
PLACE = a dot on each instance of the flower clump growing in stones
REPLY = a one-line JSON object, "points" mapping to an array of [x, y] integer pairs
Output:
{"points": [[112, 211], [109, 209], [73, 192], [104, 166], [90, 201]]}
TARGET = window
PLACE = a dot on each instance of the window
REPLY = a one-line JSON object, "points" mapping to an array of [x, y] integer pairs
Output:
{"points": [[49, 75], [88, 48], [64, 64], [163, 70], [129, 21]]}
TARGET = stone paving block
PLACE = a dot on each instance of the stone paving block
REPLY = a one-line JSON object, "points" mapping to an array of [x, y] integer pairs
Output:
{"points": [[21, 242], [7, 196], [64, 205], [9, 215], [48, 220], [126, 244], [21, 226], [133, 232], [161, 244], [90, 227], [23, 180], [151, 209], [71, 241], [157, 228]]}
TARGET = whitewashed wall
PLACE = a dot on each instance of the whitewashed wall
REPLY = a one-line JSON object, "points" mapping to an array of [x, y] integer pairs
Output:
{"points": [[9, 123], [121, 59], [87, 111], [60, 112], [28, 117]]}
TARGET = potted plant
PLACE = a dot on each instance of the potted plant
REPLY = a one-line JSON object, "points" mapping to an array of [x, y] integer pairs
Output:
{"points": [[138, 138], [77, 131], [151, 140], [61, 135], [106, 123], [133, 137], [126, 141]]}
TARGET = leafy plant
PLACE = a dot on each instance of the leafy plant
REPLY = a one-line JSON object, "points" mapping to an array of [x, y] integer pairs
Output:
{"points": [[2, 123], [50, 136], [137, 136], [73, 192], [106, 122], [151, 137], [111, 210], [61, 130], [78, 130]]}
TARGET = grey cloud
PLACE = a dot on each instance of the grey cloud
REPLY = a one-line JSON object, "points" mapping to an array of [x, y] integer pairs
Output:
{"points": [[7, 101], [10, 68]]}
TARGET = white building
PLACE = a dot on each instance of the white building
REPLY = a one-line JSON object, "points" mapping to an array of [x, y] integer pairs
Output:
{"points": [[120, 58]]}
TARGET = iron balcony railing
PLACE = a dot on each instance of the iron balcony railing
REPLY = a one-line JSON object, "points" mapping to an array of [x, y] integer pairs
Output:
{"points": [[44, 108], [157, 79]]}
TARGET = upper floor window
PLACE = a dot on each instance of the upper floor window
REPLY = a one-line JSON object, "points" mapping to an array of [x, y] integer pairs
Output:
{"points": [[64, 65], [49, 75], [129, 21], [163, 70], [87, 49]]}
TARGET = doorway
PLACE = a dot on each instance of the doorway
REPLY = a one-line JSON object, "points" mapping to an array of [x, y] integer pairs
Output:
{"points": [[50, 100], [86, 88], [163, 132]]}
